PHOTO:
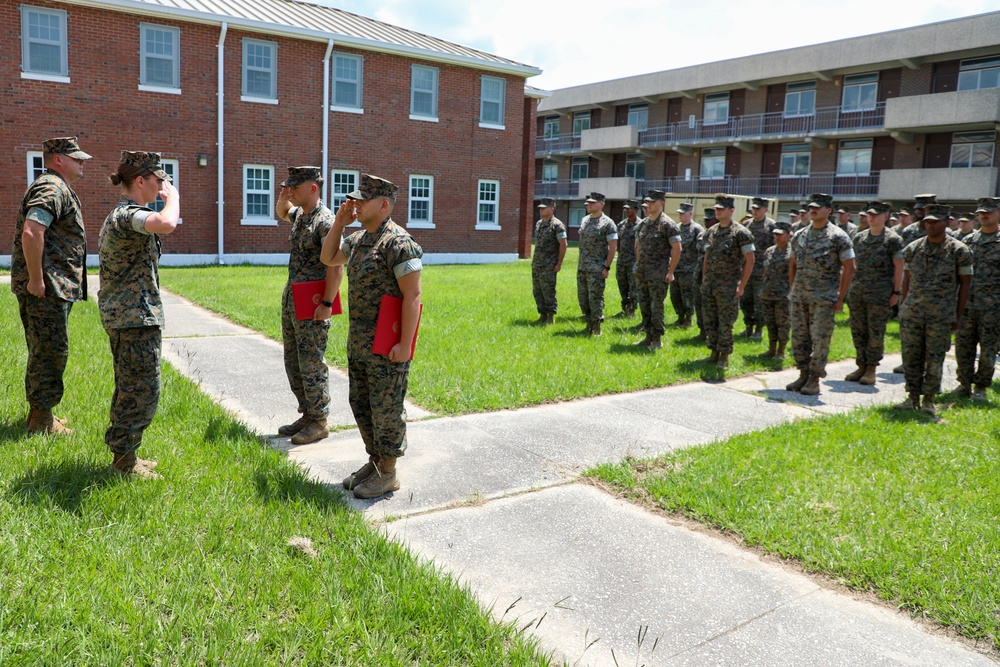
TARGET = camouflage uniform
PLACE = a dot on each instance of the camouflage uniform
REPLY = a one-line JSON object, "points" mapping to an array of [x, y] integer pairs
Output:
{"points": [[926, 316], [724, 249], [375, 262], [819, 255], [63, 270], [628, 282], [543, 264], [654, 238], [850, 229], [305, 341], [763, 238], [912, 232], [870, 292], [684, 289], [980, 325], [594, 237], [132, 315], [774, 292]]}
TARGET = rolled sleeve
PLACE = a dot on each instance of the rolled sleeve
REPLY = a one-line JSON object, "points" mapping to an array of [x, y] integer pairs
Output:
{"points": [[409, 266], [612, 236], [40, 215], [965, 270], [138, 221], [846, 254], [749, 247], [561, 235], [675, 239]]}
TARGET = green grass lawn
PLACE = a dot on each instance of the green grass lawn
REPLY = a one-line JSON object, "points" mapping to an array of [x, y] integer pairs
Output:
{"points": [[195, 569], [478, 349], [880, 500]]}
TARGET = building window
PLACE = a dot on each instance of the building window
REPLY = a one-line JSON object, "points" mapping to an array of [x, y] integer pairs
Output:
{"points": [[854, 157], [638, 115], [421, 202], [43, 41], [979, 73], [577, 212], [860, 92], [260, 69], [489, 204], [341, 183], [713, 163], [348, 71], [579, 169], [551, 128], [716, 109], [171, 167], [36, 165], [972, 149], [581, 122], [800, 99], [159, 65], [423, 92], [491, 101], [635, 166], [795, 160], [258, 186], [550, 171]]}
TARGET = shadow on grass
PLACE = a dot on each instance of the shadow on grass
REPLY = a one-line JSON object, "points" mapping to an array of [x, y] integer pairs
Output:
{"points": [[522, 322], [630, 348], [222, 429], [891, 414], [572, 333], [12, 431], [690, 341], [64, 484], [287, 484]]}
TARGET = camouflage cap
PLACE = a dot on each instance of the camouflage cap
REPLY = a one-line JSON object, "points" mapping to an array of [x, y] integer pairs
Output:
{"points": [[724, 201], [594, 197], [656, 195], [65, 146], [632, 203], [546, 202], [794, 211], [685, 207], [372, 187], [987, 204], [844, 208], [966, 217], [905, 211], [710, 214], [145, 162], [820, 199], [877, 207], [299, 175], [760, 202], [782, 227], [937, 212], [922, 201]]}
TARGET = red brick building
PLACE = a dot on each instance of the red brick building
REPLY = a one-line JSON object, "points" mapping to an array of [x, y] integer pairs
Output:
{"points": [[232, 93]]}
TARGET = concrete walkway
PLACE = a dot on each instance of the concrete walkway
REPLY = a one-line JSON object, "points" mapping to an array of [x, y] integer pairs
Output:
{"points": [[495, 499]]}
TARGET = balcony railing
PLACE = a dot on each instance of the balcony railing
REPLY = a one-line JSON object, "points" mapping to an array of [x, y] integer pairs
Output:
{"points": [[782, 187], [561, 143], [557, 189], [773, 124]]}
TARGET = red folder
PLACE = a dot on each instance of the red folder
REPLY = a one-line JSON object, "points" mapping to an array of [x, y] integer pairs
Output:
{"points": [[388, 328], [308, 295]]}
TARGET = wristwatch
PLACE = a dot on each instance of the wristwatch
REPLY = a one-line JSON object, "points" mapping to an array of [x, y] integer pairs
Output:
{"points": [[327, 304], [897, 292]]}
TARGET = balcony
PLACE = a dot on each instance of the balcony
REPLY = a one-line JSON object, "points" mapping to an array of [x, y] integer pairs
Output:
{"points": [[949, 184], [557, 189], [761, 126], [621, 187], [620, 139], [560, 144], [782, 188], [943, 112]]}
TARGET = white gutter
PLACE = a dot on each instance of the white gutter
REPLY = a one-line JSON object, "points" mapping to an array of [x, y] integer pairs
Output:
{"points": [[221, 142], [326, 121]]}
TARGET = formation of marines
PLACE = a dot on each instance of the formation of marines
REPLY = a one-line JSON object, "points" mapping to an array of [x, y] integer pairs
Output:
{"points": [[936, 270]]}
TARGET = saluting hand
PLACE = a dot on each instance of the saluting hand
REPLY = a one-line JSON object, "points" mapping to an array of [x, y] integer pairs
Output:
{"points": [[168, 191], [345, 214]]}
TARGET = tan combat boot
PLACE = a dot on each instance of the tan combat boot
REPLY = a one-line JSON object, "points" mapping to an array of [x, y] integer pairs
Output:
{"points": [[780, 354], [723, 361], [711, 359], [811, 387], [595, 330], [380, 482], [361, 474], [772, 348], [294, 427], [550, 319], [980, 393], [655, 343], [856, 374], [314, 431], [927, 406], [799, 383], [963, 391], [758, 333], [130, 465], [644, 342], [42, 421], [912, 402], [869, 377]]}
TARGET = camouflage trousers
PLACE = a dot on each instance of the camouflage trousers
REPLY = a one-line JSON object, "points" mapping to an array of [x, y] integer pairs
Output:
{"points": [[652, 295], [590, 293], [924, 346], [868, 322], [136, 355], [812, 329], [979, 328], [777, 319], [628, 286], [720, 310], [376, 394], [753, 311], [45, 332], [305, 366], [697, 300], [543, 286], [682, 294]]}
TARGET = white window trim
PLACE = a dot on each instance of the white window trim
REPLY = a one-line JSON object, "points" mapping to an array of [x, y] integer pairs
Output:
{"points": [[176, 59], [436, 93], [483, 225], [63, 76], [502, 102], [244, 69], [258, 220], [259, 100], [175, 175], [357, 179], [347, 110], [30, 158], [488, 126], [424, 118], [421, 224], [361, 83]]}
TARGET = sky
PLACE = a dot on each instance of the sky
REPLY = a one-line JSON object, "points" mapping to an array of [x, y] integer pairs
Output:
{"points": [[576, 43]]}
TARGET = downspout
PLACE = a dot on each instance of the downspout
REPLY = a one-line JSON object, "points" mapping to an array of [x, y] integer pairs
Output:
{"points": [[326, 121], [220, 143]]}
